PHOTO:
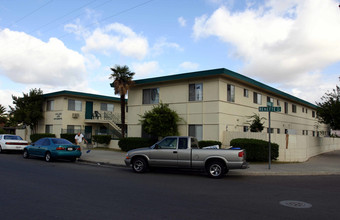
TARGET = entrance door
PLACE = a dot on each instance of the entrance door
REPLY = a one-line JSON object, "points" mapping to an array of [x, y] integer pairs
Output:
{"points": [[89, 110], [88, 133]]}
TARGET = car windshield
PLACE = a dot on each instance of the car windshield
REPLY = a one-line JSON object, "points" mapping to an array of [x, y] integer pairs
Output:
{"points": [[12, 137], [60, 141]]}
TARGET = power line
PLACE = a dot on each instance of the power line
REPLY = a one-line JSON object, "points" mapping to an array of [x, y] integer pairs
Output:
{"points": [[75, 16], [50, 22], [30, 13], [114, 15]]}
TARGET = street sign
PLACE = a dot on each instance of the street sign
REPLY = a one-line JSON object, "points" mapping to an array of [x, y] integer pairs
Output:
{"points": [[267, 109]]}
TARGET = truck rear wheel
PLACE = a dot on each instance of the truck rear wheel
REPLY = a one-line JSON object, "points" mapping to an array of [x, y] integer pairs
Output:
{"points": [[139, 165], [216, 169]]}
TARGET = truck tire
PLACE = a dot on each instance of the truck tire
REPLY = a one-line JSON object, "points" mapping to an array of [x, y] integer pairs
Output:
{"points": [[139, 165], [216, 169]]}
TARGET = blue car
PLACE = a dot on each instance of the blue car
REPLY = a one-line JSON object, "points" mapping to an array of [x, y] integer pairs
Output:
{"points": [[53, 148]]}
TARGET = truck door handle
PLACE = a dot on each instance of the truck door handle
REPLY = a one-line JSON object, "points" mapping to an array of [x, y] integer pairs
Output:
{"points": [[175, 152]]}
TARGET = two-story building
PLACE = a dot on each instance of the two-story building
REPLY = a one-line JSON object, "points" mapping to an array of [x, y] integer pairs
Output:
{"points": [[214, 101], [72, 112]]}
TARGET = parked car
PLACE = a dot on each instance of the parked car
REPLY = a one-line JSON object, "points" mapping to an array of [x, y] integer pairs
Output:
{"points": [[53, 148], [183, 152], [11, 142]]}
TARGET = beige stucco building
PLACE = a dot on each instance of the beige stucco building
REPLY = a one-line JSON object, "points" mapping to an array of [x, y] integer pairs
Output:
{"points": [[214, 101], [72, 112]]}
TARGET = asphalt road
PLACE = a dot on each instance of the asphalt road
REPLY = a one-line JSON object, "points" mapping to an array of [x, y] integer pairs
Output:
{"points": [[35, 189]]}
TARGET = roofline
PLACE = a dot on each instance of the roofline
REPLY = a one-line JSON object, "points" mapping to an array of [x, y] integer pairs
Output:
{"points": [[223, 72], [80, 94]]}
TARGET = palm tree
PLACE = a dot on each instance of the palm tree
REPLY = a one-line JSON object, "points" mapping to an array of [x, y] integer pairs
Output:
{"points": [[122, 81]]}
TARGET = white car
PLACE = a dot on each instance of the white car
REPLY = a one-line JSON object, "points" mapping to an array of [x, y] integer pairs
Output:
{"points": [[11, 142]]}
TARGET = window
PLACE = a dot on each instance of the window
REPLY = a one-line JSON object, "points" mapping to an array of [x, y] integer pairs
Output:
{"points": [[72, 129], [196, 92], [49, 129], [278, 131], [286, 131], [313, 114], [293, 108], [313, 133], [270, 99], [74, 105], [168, 143], [306, 132], [196, 131], [246, 93], [286, 107], [271, 130], [303, 132], [106, 107], [257, 98], [151, 96], [194, 143], [50, 105], [306, 110], [182, 143], [245, 128], [303, 109], [278, 102], [230, 93]]}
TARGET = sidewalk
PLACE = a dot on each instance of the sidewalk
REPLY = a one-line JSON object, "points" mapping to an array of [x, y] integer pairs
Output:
{"points": [[324, 164]]}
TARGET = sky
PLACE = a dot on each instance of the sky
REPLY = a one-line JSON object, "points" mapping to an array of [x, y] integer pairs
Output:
{"points": [[291, 45]]}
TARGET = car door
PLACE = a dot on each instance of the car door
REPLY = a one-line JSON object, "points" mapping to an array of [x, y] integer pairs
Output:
{"points": [[183, 153], [165, 153], [34, 148], [45, 144]]}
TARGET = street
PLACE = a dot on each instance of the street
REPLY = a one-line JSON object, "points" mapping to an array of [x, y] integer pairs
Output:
{"points": [[35, 189]]}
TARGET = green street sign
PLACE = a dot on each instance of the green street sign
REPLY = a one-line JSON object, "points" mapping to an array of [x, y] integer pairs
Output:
{"points": [[267, 109]]}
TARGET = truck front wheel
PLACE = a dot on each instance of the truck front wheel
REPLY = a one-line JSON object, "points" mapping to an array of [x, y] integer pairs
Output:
{"points": [[139, 165], [216, 169]]}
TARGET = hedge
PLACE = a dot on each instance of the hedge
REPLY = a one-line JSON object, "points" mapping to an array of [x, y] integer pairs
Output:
{"points": [[69, 137], [207, 143], [257, 150], [130, 143], [35, 137], [102, 139]]}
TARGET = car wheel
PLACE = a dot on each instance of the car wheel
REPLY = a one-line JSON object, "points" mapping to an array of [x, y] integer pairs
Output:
{"points": [[216, 169], [25, 154], [139, 165], [73, 159], [48, 157]]}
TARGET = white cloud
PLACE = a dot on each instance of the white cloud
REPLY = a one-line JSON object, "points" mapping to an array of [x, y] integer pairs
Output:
{"points": [[146, 69], [282, 41], [117, 37], [28, 60], [162, 44], [188, 66], [182, 22]]}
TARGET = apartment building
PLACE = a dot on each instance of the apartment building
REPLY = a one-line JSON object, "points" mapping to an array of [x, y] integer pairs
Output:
{"points": [[214, 101], [72, 112]]}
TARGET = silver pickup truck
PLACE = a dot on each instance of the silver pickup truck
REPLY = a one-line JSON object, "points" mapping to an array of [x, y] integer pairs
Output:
{"points": [[183, 152]]}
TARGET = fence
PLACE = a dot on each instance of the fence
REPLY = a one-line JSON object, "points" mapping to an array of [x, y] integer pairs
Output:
{"points": [[292, 148]]}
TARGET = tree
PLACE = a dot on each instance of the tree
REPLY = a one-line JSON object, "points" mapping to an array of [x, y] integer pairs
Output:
{"points": [[160, 121], [328, 109], [256, 124], [3, 118], [122, 81], [28, 109]]}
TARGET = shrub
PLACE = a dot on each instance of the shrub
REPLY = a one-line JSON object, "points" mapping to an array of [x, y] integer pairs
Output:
{"points": [[102, 139], [35, 137], [69, 137], [130, 143], [2, 131], [207, 143], [257, 150]]}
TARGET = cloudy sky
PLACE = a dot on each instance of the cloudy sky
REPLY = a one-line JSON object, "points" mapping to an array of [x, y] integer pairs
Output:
{"points": [[292, 45]]}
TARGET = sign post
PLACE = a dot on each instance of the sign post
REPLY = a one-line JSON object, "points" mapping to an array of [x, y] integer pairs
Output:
{"points": [[269, 108]]}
